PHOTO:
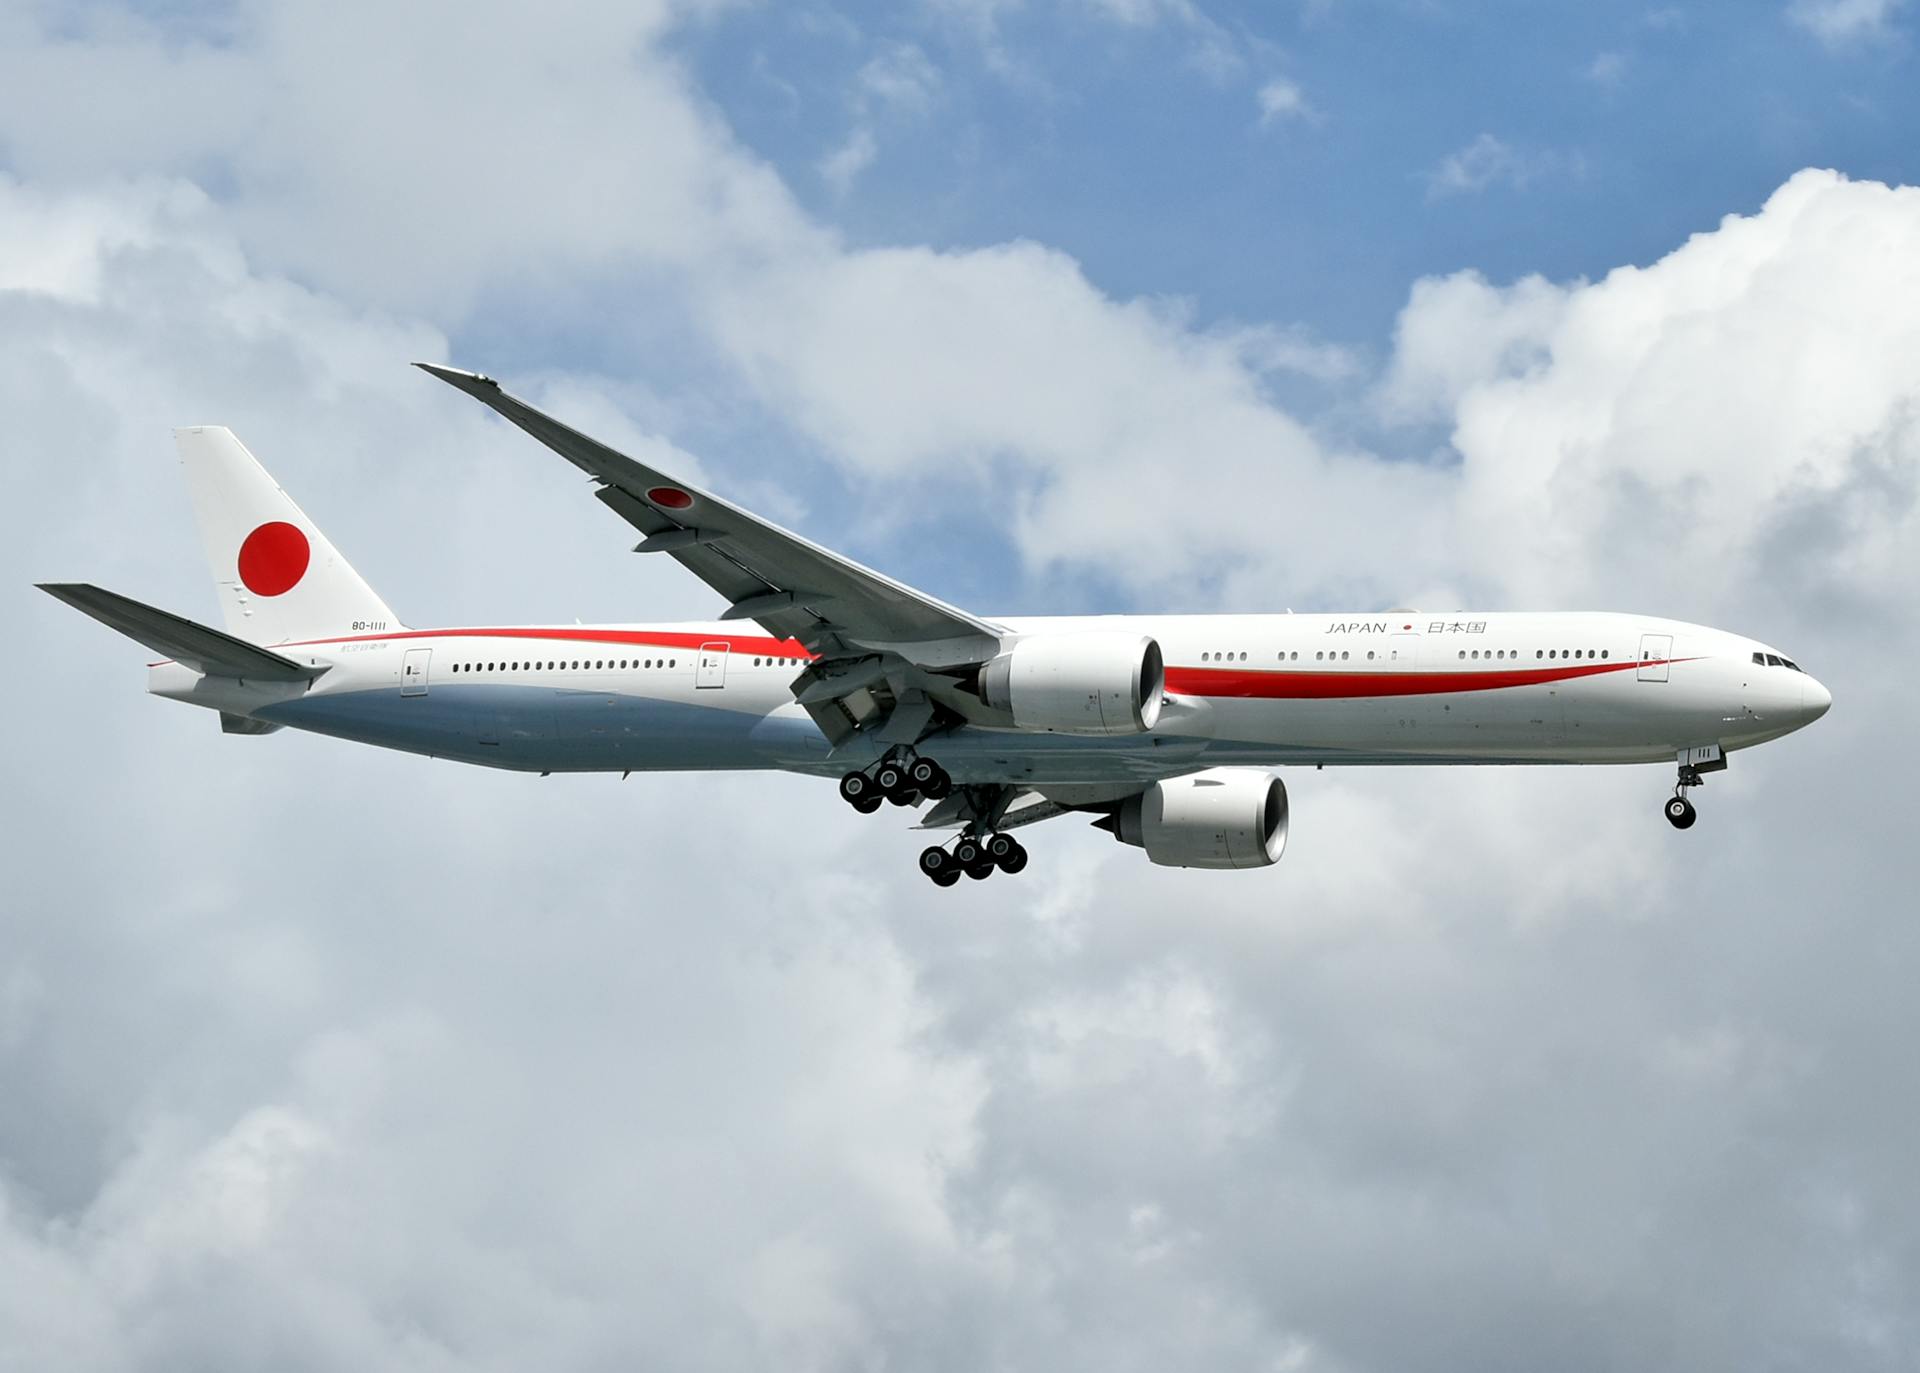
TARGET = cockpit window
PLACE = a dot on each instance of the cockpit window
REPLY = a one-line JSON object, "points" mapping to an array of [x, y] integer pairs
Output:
{"points": [[1759, 660], [1788, 662], [1773, 660]]}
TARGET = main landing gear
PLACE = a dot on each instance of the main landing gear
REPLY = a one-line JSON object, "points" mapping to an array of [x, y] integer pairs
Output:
{"points": [[905, 778], [902, 778], [976, 856]]}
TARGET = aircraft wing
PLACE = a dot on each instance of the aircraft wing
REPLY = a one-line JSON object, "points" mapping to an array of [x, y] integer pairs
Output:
{"points": [[871, 634], [793, 587]]}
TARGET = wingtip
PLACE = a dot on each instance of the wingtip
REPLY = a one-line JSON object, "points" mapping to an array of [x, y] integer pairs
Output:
{"points": [[454, 376]]}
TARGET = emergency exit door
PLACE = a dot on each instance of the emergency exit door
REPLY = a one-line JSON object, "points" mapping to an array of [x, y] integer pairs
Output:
{"points": [[710, 668]]}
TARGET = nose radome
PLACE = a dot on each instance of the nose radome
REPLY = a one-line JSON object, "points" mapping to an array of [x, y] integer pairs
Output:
{"points": [[1814, 699]]}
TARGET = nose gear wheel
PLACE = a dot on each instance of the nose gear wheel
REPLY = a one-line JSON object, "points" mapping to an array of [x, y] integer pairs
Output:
{"points": [[1679, 810]]}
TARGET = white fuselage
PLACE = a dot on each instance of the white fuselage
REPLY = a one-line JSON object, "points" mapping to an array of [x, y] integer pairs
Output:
{"points": [[1259, 690]]}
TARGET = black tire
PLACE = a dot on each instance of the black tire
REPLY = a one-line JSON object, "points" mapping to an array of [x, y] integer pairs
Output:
{"points": [[908, 797], [967, 853], [940, 787], [934, 861], [998, 846], [889, 777], [1681, 814], [980, 872], [947, 878], [923, 771], [867, 805], [854, 787], [1015, 861]]}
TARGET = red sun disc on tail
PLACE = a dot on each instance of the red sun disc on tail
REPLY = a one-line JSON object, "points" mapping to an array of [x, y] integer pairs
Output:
{"points": [[274, 558], [670, 498]]}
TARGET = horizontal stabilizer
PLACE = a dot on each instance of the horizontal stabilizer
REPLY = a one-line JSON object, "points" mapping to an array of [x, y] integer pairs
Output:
{"points": [[204, 650]]}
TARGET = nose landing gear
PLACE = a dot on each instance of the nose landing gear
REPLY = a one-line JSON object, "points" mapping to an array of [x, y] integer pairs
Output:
{"points": [[1693, 763]]}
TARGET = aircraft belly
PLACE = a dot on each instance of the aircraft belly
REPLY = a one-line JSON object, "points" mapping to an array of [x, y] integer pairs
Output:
{"points": [[541, 729]]}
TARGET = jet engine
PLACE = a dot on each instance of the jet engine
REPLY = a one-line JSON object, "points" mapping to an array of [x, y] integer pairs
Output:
{"points": [[1220, 818], [1093, 682]]}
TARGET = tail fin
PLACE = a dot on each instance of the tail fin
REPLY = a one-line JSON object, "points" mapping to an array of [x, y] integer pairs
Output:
{"points": [[278, 577]]}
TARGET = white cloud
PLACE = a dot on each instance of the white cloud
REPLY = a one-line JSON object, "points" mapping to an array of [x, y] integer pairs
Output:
{"points": [[1679, 414], [842, 167], [1486, 162], [1281, 99], [899, 77], [1844, 23], [896, 84], [1607, 69]]}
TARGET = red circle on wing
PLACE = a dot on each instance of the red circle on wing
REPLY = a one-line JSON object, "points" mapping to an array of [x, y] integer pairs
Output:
{"points": [[274, 558], [670, 498]]}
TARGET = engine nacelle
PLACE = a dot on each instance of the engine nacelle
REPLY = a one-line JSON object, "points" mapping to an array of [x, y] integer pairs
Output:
{"points": [[1091, 682], [1220, 818]]}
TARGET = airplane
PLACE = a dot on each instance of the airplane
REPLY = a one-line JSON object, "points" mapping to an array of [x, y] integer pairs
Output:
{"points": [[1165, 730]]}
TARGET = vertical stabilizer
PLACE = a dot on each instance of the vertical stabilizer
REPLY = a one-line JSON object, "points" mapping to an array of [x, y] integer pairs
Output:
{"points": [[278, 577]]}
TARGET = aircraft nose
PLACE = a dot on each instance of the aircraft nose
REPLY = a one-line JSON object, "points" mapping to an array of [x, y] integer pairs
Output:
{"points": [[1815, 699]]}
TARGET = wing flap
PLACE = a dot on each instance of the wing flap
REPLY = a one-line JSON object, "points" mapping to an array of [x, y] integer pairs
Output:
{"points": [[207, 651]]}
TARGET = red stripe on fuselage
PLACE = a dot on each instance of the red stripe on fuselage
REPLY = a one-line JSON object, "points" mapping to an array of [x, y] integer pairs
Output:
{"points": [[1260, 685], [1221, 682]]}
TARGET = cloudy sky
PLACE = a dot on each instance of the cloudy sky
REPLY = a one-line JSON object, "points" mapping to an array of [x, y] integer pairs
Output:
{"points": [[317, 1057]]}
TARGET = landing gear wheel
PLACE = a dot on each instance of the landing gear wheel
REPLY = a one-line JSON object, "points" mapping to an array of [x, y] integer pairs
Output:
{"points": [[980, 872], [889, 777], [947, 878], [998, 846], [867, 805], [1681, 814], [856, 787], [930, 778], [909, 797], [937, 863], [1013, 861], [966, 853]]}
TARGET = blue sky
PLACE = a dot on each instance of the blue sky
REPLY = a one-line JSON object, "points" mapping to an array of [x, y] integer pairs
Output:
{"points": [[1141, 148]]}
